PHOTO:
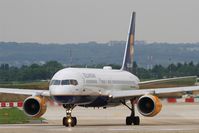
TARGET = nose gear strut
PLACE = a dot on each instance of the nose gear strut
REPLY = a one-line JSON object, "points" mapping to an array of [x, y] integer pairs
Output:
{"points": [[69, 120]]}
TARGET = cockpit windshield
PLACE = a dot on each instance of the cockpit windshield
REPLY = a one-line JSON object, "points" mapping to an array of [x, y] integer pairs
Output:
{"points": [[64, 82], [69, 82], [55, 82]]}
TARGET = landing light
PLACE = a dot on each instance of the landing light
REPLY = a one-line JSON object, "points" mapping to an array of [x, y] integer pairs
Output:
{"points": [[68, 111], [69, 120]]}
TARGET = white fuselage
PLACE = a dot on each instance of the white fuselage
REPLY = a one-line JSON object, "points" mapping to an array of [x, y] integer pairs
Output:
{"points": [[82, 86]]}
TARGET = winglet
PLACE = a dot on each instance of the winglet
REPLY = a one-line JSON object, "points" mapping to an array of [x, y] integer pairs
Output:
{"points": [[129, 49]]}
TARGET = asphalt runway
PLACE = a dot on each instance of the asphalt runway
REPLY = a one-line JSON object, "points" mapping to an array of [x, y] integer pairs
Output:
{"points": [[174, 118]]}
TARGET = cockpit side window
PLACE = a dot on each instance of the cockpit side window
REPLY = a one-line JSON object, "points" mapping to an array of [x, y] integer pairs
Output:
{"points": [[64, 82], [55, 82], [73, 82]]}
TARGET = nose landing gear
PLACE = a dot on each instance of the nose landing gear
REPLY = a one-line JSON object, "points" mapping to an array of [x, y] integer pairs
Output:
{"points": [[69, 121]]}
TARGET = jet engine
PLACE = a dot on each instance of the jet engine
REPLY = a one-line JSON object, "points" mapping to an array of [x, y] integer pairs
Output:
{"points": [[149, 105], [35, 106]]}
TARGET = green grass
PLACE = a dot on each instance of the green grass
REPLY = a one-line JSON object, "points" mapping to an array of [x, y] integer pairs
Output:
{"points": [[14, 116], [26, 85]]}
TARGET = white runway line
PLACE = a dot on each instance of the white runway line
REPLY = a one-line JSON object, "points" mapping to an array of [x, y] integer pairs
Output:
{"points": [[120, 129], [69, 129], [13, 127]]}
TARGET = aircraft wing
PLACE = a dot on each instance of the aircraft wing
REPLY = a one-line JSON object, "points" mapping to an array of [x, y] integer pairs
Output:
{"points": [[171, 82], [135, 93], [25, 91]]}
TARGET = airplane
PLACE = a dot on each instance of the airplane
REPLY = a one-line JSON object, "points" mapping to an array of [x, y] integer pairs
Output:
{"points": [[89, 87]]}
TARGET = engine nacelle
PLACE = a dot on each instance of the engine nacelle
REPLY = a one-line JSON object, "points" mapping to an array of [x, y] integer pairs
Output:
{"points": [[149, 105], [35, 106]]}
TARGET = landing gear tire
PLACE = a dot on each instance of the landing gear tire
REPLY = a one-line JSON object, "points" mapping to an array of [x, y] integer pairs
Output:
{"points": [[70, 121], [74, 120], [129, 120], [64, 121], [135, 120]]}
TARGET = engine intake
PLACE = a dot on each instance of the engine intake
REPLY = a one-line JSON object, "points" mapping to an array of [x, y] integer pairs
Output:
{"points": [[35, 106], [149, 105]]}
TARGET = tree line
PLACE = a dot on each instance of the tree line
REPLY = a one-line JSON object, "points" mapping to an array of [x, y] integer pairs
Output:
{"points": [[29, 73], [172, 70], [45, 71]]}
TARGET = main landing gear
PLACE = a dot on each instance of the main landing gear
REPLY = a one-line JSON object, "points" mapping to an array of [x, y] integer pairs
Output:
{"points": [[69, 120], [132, 118]]}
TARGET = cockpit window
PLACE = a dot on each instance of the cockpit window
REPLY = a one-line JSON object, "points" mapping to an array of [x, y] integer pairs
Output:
{"points": [[69, 82], [64, 82], [55, 82], [73, 82]]}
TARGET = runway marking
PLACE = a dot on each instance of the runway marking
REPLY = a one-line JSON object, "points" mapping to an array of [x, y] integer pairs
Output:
{"points": [[177, 129], [171, 129], [69, 129], [13, 127], [80, 129], [120, 129], [150, 129]]}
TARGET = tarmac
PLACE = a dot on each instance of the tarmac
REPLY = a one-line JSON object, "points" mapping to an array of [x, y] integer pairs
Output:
{"points": [[174, 118]]}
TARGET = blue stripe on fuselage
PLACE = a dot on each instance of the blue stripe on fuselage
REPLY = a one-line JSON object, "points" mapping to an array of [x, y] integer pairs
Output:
{"points": [[87, 101]]}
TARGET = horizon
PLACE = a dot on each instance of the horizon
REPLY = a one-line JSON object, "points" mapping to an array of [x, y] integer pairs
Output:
{"points": [[145, 54], [100, 43]]}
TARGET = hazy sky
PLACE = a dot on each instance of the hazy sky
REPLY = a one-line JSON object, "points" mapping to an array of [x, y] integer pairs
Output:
{"points": [[65, 21]]}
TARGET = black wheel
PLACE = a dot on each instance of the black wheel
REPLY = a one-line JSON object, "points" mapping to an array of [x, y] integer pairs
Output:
{"points": [[64, 121], [129, 120], [70, 121], [74, 119], [136, 120]]}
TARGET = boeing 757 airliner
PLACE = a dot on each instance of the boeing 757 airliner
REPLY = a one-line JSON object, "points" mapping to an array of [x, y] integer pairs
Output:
{"points": [[105, 87]]}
